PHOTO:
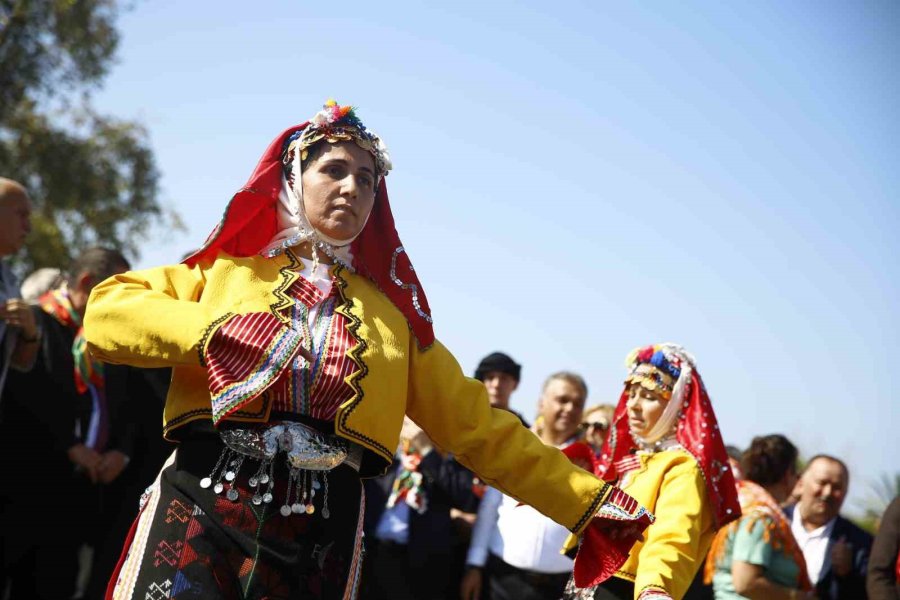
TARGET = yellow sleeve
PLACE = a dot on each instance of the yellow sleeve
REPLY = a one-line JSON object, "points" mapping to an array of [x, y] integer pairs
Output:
{"points": [[455, 412], [677, 542], [150, 318]]}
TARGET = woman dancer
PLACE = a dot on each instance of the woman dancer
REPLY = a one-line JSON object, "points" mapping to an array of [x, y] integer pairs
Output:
{"points": [[665, 449], [299, 336]]}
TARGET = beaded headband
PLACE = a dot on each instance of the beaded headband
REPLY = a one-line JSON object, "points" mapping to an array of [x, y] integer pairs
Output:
{"points": [[651, 378], [334, 124], [654, 369]]}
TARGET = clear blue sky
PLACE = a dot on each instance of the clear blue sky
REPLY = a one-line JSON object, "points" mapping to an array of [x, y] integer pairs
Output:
{"points": [[573, 179]]}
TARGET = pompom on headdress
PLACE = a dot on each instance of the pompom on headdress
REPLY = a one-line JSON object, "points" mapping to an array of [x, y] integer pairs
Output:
{"points": [[334, 124]]}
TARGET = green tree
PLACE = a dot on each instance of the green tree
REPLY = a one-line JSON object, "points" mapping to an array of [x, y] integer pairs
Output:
{"points": [[93, 178], [881, 493]]}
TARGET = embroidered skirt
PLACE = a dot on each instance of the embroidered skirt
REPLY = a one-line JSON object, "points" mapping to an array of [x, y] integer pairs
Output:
{"points": [[191, 542]]}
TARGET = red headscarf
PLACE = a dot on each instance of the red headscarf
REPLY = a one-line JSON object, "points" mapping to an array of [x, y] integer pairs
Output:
{"points": [[697, 431], [250, 222]]}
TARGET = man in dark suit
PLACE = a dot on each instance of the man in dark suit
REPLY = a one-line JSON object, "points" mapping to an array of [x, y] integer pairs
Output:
{"points": [[56, 444], [407, 521], [836, 551]]}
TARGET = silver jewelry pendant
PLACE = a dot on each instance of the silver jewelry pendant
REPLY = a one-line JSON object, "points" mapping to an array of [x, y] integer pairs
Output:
{"points": [[205, 482], [297, 508], [264, 478], [285, 510], [256, 499], [326, 513], [218, 488], [232, 495], [252, 482], [267, 497]]}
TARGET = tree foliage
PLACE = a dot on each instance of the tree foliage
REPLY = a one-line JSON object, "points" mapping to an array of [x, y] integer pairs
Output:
{"points": [[881, 492], [93, 178]]}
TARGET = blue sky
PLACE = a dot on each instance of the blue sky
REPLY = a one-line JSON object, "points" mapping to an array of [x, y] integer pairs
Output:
{"points": [[573, 179]]}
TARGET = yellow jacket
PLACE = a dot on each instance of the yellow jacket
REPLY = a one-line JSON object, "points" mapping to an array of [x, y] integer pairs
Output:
{"points": [[669, 484], [166, 316]]}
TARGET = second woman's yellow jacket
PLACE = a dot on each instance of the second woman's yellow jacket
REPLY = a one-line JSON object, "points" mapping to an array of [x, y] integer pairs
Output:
{"points": [[670, 484], [165, 317]]}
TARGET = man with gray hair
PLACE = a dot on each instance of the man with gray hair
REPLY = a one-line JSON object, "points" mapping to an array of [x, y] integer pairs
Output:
{"points": [[515, 548]]}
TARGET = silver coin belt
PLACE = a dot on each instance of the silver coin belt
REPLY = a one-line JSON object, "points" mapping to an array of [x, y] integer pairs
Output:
{"points": [[308, 453]]}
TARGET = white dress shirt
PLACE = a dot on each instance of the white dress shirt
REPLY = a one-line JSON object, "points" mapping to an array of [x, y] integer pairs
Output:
{"points": [[815, 545], [518, 534]]}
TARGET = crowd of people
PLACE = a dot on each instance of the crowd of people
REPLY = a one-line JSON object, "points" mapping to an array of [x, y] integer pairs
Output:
{"points": [[329, 447]]}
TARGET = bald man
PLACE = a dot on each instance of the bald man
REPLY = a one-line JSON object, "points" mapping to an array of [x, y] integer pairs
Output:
{"points": [[18, 328], [836, 551]]}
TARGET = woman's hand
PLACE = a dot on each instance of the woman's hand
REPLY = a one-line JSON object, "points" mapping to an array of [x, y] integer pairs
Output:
{"points": [[470, 588]]}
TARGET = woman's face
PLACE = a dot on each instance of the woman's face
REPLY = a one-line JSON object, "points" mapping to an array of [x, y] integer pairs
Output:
{"points": [[595, 427], [645, 407], [339, 190]]}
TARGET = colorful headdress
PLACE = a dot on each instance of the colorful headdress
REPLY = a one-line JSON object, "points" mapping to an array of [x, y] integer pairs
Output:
{"points": [[266, 216], [687, 420], [334, 124]]}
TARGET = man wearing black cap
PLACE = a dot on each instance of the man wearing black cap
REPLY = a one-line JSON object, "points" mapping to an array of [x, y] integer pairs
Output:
{"points": [[500, 375]]}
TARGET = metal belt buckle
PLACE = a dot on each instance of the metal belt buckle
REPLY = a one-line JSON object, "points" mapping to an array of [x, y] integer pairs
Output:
{"points": [[305, 447]]}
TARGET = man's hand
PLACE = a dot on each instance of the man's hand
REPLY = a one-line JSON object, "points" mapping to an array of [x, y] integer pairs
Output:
{"points": [[418, 439], [470, 588], [17, 313], [111, 465], [86, 459], [841, 557]]}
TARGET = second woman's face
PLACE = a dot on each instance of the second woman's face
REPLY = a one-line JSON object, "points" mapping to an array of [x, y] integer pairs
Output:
{"points": [[645, 407], [339, 190]]}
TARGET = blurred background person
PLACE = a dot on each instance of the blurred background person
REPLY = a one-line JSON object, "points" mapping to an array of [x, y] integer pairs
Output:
{"points": [[136, 398], [56, 442], [883, 579], [595, 424], [500, 375], [516, 548], [757, 556], [407, 521], [18, 329], [836, 551]]}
